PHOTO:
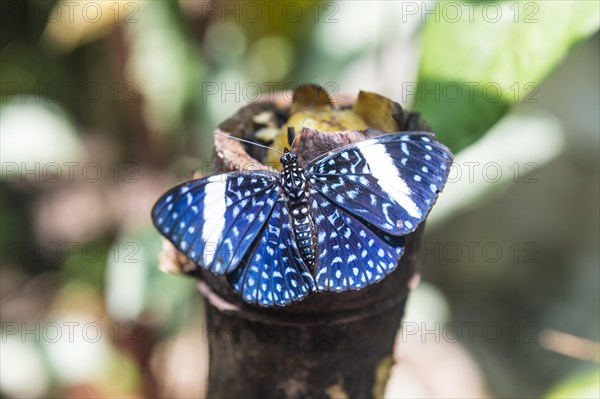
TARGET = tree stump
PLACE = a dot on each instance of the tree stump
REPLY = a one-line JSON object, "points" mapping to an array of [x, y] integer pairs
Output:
{"points": [[336, 345]]}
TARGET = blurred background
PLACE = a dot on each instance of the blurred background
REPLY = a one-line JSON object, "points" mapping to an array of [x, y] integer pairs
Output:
{"points": [[106, 104]]}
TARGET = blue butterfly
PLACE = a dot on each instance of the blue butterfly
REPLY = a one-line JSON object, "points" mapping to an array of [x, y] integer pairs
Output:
{"points": [[336, 225]]}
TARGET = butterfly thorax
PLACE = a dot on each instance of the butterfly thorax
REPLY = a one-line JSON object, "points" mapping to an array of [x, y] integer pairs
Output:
{"points": [[295, 186]]}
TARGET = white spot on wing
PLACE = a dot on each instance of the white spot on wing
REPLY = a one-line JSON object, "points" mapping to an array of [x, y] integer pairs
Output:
{"points": [[404, 148], [383, 169], [214, 214]]}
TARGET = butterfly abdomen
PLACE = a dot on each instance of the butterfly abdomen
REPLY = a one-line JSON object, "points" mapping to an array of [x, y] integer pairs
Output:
{"points": [[304, 231], [295, 186]]}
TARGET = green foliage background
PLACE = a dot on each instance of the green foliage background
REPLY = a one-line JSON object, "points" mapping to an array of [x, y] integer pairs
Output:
{"points": [[136, 90]]}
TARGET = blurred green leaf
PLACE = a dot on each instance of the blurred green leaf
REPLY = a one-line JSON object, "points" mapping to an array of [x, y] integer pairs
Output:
{"points": [[471, 73], [158, 47], [85, 262], [135, 285], [28, 120], [121, 375], [581, 385]]}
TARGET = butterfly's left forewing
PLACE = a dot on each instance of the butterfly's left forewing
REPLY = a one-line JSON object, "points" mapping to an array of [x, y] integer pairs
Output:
{"points": [[215, 220], [391, 181]]}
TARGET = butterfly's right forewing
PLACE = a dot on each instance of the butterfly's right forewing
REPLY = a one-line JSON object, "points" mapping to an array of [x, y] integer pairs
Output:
{"points": [[215, 220], [391, 181]]}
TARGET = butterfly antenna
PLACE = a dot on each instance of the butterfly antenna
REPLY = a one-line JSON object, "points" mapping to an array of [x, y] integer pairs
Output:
{"points": [[291, 128], [248, 142]]}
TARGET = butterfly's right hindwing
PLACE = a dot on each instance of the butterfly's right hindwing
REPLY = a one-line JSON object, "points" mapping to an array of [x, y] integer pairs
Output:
{"points": [[215, 220], [351, 255]]}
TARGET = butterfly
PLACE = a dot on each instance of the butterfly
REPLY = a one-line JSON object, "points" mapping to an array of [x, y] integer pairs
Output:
{"points": [[337, 224]]}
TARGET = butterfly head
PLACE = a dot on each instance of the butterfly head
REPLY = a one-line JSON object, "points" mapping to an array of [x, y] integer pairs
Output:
{"points": [[288, 158]]}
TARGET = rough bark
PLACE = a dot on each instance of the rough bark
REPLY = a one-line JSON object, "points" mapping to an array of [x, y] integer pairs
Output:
{"points": [[331, 345]]}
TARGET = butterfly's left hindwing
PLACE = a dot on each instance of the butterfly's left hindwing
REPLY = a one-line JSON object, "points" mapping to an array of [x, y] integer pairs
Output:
{"points": [[274, 273], [215, 220], [391, 181]]}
